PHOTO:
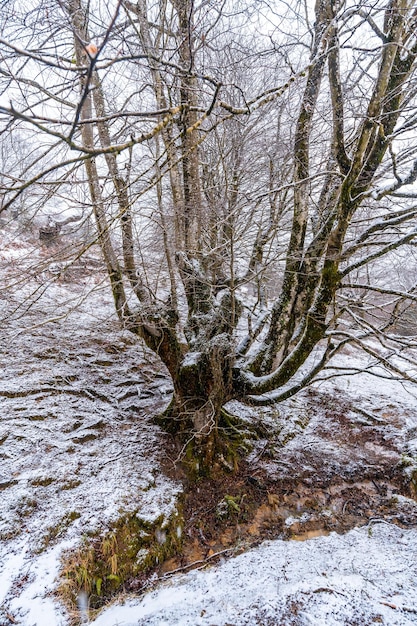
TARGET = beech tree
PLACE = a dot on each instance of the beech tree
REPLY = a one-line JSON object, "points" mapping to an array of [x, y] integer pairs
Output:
{"points": [[250, 169]]}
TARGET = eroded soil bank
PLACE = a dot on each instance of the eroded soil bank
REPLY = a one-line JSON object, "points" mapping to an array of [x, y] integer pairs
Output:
{"points": [[327, 466]]}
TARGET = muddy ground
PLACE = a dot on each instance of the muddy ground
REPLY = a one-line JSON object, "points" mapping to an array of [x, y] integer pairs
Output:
{"points": [[324, 467]]}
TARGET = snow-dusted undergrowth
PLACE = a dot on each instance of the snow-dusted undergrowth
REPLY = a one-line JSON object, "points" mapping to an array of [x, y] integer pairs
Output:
{"points": [[77, 447], [350, 579]]}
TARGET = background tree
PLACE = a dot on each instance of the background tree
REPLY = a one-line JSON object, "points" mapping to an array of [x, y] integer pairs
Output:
{"points": [[250, 170]]}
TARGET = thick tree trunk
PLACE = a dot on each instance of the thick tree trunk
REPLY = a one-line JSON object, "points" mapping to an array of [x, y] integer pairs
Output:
{"points": [[195, 416]]}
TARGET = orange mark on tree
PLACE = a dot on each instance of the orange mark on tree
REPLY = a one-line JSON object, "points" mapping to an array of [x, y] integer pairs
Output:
{"points": [[92, 49]]}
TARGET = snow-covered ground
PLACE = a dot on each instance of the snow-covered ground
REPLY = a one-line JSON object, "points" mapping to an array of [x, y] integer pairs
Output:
{"points": [[77, 445], [78, 448], [364, 577]]}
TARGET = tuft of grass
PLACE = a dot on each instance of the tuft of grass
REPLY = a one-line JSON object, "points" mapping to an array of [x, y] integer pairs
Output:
{"points": [[25, 506], [102, 565], [71, 484], [42, 482], [408, 464], [407, 461]]}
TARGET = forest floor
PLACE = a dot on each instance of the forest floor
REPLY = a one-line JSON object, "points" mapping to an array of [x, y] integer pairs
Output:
{"points": [[318, 525]]}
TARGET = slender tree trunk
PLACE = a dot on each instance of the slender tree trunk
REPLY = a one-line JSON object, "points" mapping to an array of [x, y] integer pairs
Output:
{"points": [[193, 201], [77, 17], [140, 10], [282, 326], [121, 189]]}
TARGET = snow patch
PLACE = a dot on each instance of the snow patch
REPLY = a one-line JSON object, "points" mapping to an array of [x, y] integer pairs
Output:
{"points": [[328, 581]]}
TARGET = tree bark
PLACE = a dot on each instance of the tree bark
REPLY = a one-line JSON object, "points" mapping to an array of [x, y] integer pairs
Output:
{"points": [[78, 21], [202, 387]]}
